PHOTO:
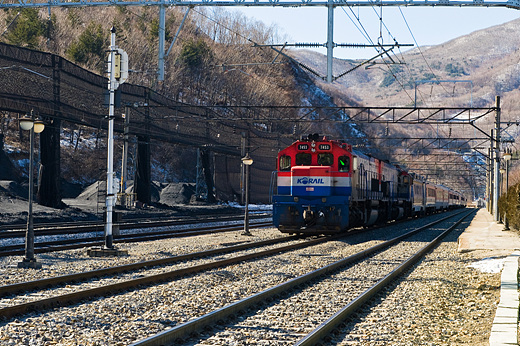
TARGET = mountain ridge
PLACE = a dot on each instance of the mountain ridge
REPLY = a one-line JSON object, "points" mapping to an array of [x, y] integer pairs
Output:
{"points": [[484, 57]]}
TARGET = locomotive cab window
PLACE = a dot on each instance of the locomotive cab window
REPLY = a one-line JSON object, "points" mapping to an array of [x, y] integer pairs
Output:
{"points": [[344, 164], [285, 163], [325, 159], [303, 159]]}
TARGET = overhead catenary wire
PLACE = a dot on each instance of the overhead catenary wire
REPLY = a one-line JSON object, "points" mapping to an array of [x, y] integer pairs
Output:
{"points": [[420, 51], [392, 71], [418, 47], [366, 35]]}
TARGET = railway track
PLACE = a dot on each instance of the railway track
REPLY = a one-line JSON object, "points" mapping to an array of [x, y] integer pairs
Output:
{"points": [[309, 301], [60, 228], [179, 292], [22, 298], [79, 242]]}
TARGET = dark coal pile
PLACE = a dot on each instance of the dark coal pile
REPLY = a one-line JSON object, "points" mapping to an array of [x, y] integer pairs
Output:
{"points": [[174, 194], [88, 203], [14, 207], [168, 200]]}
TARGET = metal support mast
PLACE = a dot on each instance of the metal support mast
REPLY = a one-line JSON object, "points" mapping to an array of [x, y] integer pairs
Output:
{"points": [[496, 177], [201, 190], [162, 35], [124, 160], [330, 39]]}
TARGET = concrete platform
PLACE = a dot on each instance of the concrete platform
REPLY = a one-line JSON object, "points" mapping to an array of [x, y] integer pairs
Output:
{"points": [[485, 234]]}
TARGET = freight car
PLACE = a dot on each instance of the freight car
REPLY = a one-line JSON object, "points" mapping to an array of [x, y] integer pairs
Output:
{"points": [[325, 186]]}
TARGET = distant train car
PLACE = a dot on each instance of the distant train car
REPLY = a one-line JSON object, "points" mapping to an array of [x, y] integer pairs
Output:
{"points": [[419, 195], [431, 197], [441, 201], [456, 199], [324, 186]]}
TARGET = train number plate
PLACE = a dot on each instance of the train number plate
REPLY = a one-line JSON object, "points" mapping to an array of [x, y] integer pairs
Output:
{"points": [[324, 147]]}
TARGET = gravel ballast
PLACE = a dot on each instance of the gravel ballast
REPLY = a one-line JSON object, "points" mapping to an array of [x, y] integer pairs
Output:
{"points": [[441, 302]]}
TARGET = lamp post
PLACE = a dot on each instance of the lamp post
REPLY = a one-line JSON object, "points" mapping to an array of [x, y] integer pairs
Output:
{"points": [[247, 161], [502, 171], [507, 157], [29, 123]]}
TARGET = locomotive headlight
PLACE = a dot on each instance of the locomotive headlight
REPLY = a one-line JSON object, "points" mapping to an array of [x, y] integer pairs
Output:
{"points": [[313, 150], [323, 200], [296, 199], [313, 144]]}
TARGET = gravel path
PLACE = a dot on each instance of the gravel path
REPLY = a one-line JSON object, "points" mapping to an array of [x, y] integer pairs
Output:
{"points": [[444, 302]]}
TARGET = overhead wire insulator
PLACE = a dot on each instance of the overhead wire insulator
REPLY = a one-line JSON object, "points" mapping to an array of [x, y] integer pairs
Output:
{"points": [[308, 45]]}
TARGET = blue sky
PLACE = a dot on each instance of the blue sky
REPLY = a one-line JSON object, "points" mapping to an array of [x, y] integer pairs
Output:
{"points": [[428, 25]]}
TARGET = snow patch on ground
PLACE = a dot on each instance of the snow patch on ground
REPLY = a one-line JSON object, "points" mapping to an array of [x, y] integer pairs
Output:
{"points": [[489, 265], [251, 207]]}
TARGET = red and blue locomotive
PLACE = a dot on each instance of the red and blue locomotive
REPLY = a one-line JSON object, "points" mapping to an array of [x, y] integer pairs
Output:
{"points": [[324, 186]]}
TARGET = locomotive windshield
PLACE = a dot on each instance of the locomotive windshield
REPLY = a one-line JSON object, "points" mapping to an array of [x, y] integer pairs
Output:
{"points": [[325, 159], [303, 159]]}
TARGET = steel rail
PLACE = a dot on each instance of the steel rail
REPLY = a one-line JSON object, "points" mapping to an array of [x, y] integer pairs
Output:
{"points": [[60, 280], [171, 336], [109, 290], [76, 243], [41, 229], [332, 323]]}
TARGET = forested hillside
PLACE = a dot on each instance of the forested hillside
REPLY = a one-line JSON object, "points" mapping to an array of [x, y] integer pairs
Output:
{"points": [[213, 61], [194, 71]]}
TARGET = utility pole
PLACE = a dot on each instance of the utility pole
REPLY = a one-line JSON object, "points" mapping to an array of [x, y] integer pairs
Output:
{"points": [[330, 39], [489, 183], [497, 160], [124, 161], [242, 168], [162, 36]]}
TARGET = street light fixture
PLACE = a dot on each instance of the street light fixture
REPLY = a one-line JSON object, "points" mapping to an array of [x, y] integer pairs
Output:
{"points": [[29, 123], [502, 171], [507, 157], [247, 161]]}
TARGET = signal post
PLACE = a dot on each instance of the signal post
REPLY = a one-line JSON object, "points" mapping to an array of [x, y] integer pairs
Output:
{"points": [[117, 73]]}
